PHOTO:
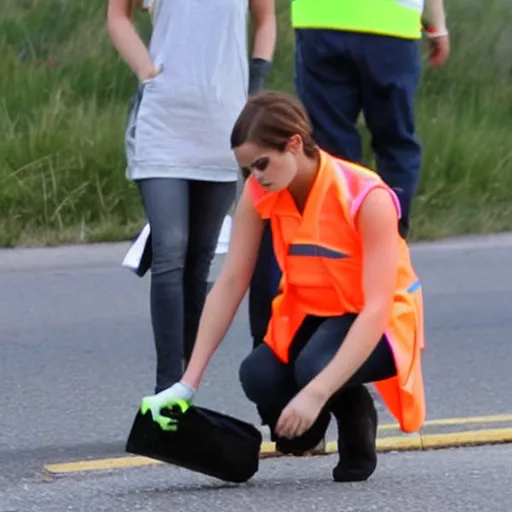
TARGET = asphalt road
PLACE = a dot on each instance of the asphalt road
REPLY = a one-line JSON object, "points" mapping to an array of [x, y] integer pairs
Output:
{"points": [[76, 356], [469, 480]]}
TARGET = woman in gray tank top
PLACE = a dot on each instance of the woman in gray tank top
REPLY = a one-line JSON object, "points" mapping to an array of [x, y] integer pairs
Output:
{"points": [[193, 82]]}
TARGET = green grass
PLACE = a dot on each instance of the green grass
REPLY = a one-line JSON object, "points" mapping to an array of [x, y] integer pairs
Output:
{"points": [[65, 98]]}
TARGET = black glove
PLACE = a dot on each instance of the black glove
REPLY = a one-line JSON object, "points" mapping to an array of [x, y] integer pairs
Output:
{"points": [[258, 71]]}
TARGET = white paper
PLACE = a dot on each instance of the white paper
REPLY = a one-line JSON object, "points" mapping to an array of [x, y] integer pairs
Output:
{"points": [[136, 250]]}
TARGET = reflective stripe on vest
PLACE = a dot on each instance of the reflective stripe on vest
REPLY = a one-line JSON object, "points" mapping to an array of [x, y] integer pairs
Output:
{"points": [[320, 255], [385, 17]]}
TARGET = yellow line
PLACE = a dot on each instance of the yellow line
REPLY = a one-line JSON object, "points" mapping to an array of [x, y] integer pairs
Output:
{"points": [[470, 438], [475, 420], [101, 464], [438, 441], [412, 442]]}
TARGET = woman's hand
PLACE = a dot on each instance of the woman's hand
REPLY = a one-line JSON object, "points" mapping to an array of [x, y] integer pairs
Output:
{"points": [[300, 413], [178, 394], [148, 74]]}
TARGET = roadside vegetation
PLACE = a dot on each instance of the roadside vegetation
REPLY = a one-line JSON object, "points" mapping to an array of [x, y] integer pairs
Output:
{"points": [[65, 97]]}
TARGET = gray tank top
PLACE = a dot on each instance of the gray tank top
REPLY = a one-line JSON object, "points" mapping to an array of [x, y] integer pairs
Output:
{"points": [[181, 123]]}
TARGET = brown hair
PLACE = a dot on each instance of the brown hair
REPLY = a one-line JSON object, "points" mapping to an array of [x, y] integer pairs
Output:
{"points": [[269, 119]]}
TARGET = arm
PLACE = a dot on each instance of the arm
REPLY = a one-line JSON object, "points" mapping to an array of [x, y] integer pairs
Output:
{"points": [[434, 17], [434, 21], [263, 15], [229, 289], [377, 222], [126, 40]]}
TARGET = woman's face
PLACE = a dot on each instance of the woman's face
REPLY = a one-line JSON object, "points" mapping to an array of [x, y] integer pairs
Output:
{"points": [[273, 169]]}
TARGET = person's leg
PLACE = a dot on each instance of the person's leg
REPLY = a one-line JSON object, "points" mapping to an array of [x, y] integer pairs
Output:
{"points": [[166, 206], [391, 70], [263, 288], [209, 204], [328, 84], [270, 384], [353, 405]]}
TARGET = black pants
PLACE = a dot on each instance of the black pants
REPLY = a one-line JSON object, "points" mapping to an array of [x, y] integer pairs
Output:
{"points": [[271, 384]]}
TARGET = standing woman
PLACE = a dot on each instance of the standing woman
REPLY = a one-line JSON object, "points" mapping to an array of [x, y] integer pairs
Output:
{"points": [[193, 82]]}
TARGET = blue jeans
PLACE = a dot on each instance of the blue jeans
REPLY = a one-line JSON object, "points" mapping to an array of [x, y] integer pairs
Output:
{"points": [[340, 74], [186, 218]]}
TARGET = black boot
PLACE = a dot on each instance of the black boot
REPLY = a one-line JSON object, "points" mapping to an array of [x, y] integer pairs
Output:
{"points": [[297, 446], [306, 443], [357, 434]]}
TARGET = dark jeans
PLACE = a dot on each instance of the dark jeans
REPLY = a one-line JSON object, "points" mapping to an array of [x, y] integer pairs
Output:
{"points": [[186, 218], [340, 74], [271, 384]]}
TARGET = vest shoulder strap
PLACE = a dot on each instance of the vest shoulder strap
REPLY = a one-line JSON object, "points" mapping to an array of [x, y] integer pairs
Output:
{"points": [[360, 182]]}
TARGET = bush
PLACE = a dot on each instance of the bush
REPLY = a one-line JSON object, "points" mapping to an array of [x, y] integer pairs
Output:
{"points": [[66, 96]]}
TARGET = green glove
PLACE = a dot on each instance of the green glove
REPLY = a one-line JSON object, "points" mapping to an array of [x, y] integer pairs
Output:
{"points": [[178, 394]]}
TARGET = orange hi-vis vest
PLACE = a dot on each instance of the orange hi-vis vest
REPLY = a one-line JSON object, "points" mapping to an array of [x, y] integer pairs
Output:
{"points": [[320, 256]]}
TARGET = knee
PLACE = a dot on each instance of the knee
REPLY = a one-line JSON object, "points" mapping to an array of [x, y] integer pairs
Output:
{"points": [[168, 245], [255, 384]]}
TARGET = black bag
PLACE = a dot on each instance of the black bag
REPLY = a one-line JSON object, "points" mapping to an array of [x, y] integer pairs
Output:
{"points": [[205, 441]]}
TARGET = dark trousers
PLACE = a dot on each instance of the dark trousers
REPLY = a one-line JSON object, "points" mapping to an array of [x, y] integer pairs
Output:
{"points": [[271, 384], [340, 74], [186, 218]]}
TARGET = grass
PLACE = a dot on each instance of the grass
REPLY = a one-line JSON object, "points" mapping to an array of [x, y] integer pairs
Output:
{"points": [[65, 98]]}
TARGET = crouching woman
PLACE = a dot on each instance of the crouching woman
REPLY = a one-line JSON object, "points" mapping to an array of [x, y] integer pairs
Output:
{"points": [[349, 309]]}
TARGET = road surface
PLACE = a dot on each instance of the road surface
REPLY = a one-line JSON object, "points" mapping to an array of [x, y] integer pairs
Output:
{"points": [[77, 355]]}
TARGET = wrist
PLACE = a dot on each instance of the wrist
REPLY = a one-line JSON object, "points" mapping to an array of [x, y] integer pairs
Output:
{"points": [[258, 71], [190, 382], [320, 389], [433, 33], [147, 73], [186, 392]]}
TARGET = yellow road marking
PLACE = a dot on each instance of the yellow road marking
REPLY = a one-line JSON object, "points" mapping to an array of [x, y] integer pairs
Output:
{"points": [[445, 422], [101, 464], [411, 442], [437, 441]]}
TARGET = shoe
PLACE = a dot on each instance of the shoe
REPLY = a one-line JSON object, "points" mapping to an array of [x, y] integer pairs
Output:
{"points": [[357, 420], [311, 442]]}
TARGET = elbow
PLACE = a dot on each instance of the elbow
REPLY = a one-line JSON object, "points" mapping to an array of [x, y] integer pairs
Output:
{"points": [[378, 313]]}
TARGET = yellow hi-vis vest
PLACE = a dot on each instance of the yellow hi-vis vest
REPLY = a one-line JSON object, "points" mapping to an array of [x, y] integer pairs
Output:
{"points": [[397, 18]]}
